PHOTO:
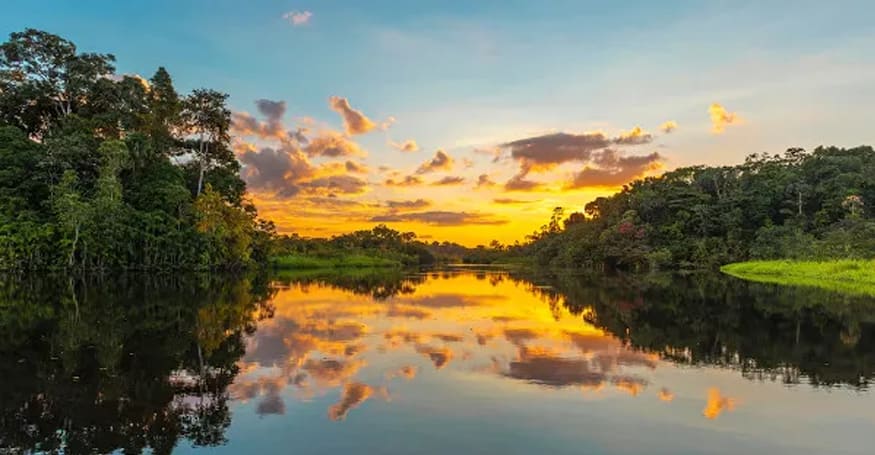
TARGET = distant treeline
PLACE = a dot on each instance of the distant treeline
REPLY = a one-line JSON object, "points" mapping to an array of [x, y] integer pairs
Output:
{"points": [[101, 171], [798, 205]]}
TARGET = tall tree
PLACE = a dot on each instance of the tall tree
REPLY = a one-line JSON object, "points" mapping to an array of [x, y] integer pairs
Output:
{"points": [[208, 120], [42, 78]]}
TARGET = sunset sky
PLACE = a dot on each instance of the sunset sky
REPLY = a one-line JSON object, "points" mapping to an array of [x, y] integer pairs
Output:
{"points": [[470, 120]]}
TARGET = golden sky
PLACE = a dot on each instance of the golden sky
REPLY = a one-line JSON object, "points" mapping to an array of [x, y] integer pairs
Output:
{"points": [[317, 180]]}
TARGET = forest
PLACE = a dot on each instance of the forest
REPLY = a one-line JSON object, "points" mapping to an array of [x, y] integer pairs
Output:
{"points": [[796, 205], [100, 171]]}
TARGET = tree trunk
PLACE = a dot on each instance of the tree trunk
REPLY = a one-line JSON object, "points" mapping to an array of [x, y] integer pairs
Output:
{"points": [[202, 164], [73, 249]]}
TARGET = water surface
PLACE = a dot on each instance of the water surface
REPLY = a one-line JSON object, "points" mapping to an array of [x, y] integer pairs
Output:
{"points": [[452, 361]]}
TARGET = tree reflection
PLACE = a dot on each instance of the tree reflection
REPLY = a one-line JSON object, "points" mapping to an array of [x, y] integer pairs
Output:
{"points": [[765, 331], [98, 365]]}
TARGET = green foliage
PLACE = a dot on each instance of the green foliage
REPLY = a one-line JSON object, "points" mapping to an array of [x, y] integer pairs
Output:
{"points": [[847, 276], [301, 262], [378, 247], [796, 205], [105, 172]]}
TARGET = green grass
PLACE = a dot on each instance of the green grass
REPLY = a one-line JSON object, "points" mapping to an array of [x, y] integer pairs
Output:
{"points": [[846, 276], [302, 262]]}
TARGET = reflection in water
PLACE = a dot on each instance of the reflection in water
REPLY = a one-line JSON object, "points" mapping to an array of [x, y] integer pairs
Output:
{"points": [[121, 364], [136, 363], [716, 404]]}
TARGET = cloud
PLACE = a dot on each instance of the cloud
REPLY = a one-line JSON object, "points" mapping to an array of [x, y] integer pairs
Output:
{"points": [[635, 136], [410, 180], [333, 144], [408, 205], [407, 372], [331, 372], [449, 180], [484, 180], [407, 146], [273, 110], [553, 370], [275, 170], [520, 183], [615, 170], [244, 124], [438, 356], [331, 184], [386, 124], [334, 202], [494, 152], [440, 218], [507, 201], [441, 162], [668, 127], [665, 395], [355, 122], [547, 151], [298, 18], [716, 404], [358, 168], [397, 311], [721, 118], [354, 394]]}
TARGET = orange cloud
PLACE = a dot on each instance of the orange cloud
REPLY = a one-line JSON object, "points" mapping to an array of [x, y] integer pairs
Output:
{"points": [[508, 201], [410, 180], [407, 372], [438, 356], [716, 404], [615, 170], [520, 183], [665, 395], [354, 121], [668, 127], [332, 144], [449, 180], [408, 205], [441, 162], [407, 146], [439, 218], [354, 394], [634, 136], [484, 180], [358, 168], [721, 118]]}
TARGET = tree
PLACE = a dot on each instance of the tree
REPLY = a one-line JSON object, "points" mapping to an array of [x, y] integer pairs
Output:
{"points": [[43, 79], [72, 212], [208, 120]]}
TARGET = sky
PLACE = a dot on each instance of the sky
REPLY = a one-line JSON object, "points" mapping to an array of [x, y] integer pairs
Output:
{"points": [[470, 121]]}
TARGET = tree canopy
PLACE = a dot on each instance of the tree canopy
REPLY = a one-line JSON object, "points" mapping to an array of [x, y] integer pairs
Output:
{"points": [[100, 170], [795, 205]]}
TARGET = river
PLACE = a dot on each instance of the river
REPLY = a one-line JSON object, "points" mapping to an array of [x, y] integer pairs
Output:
{"points": [[459, 360]]}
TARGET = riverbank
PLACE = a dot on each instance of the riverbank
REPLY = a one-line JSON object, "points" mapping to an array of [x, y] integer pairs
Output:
{"points": [[302, 262], [847, 276]]}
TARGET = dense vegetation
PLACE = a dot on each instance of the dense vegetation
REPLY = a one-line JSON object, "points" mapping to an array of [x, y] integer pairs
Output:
{"points": [[793, 206], [377, 247], [101, 171]]}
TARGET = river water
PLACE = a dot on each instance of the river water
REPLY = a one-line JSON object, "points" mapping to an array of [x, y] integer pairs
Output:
{"points": [[451, 361]]}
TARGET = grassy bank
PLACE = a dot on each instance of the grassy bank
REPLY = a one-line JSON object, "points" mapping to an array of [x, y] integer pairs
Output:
{"points": [[847, 276], [303, 262]]}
